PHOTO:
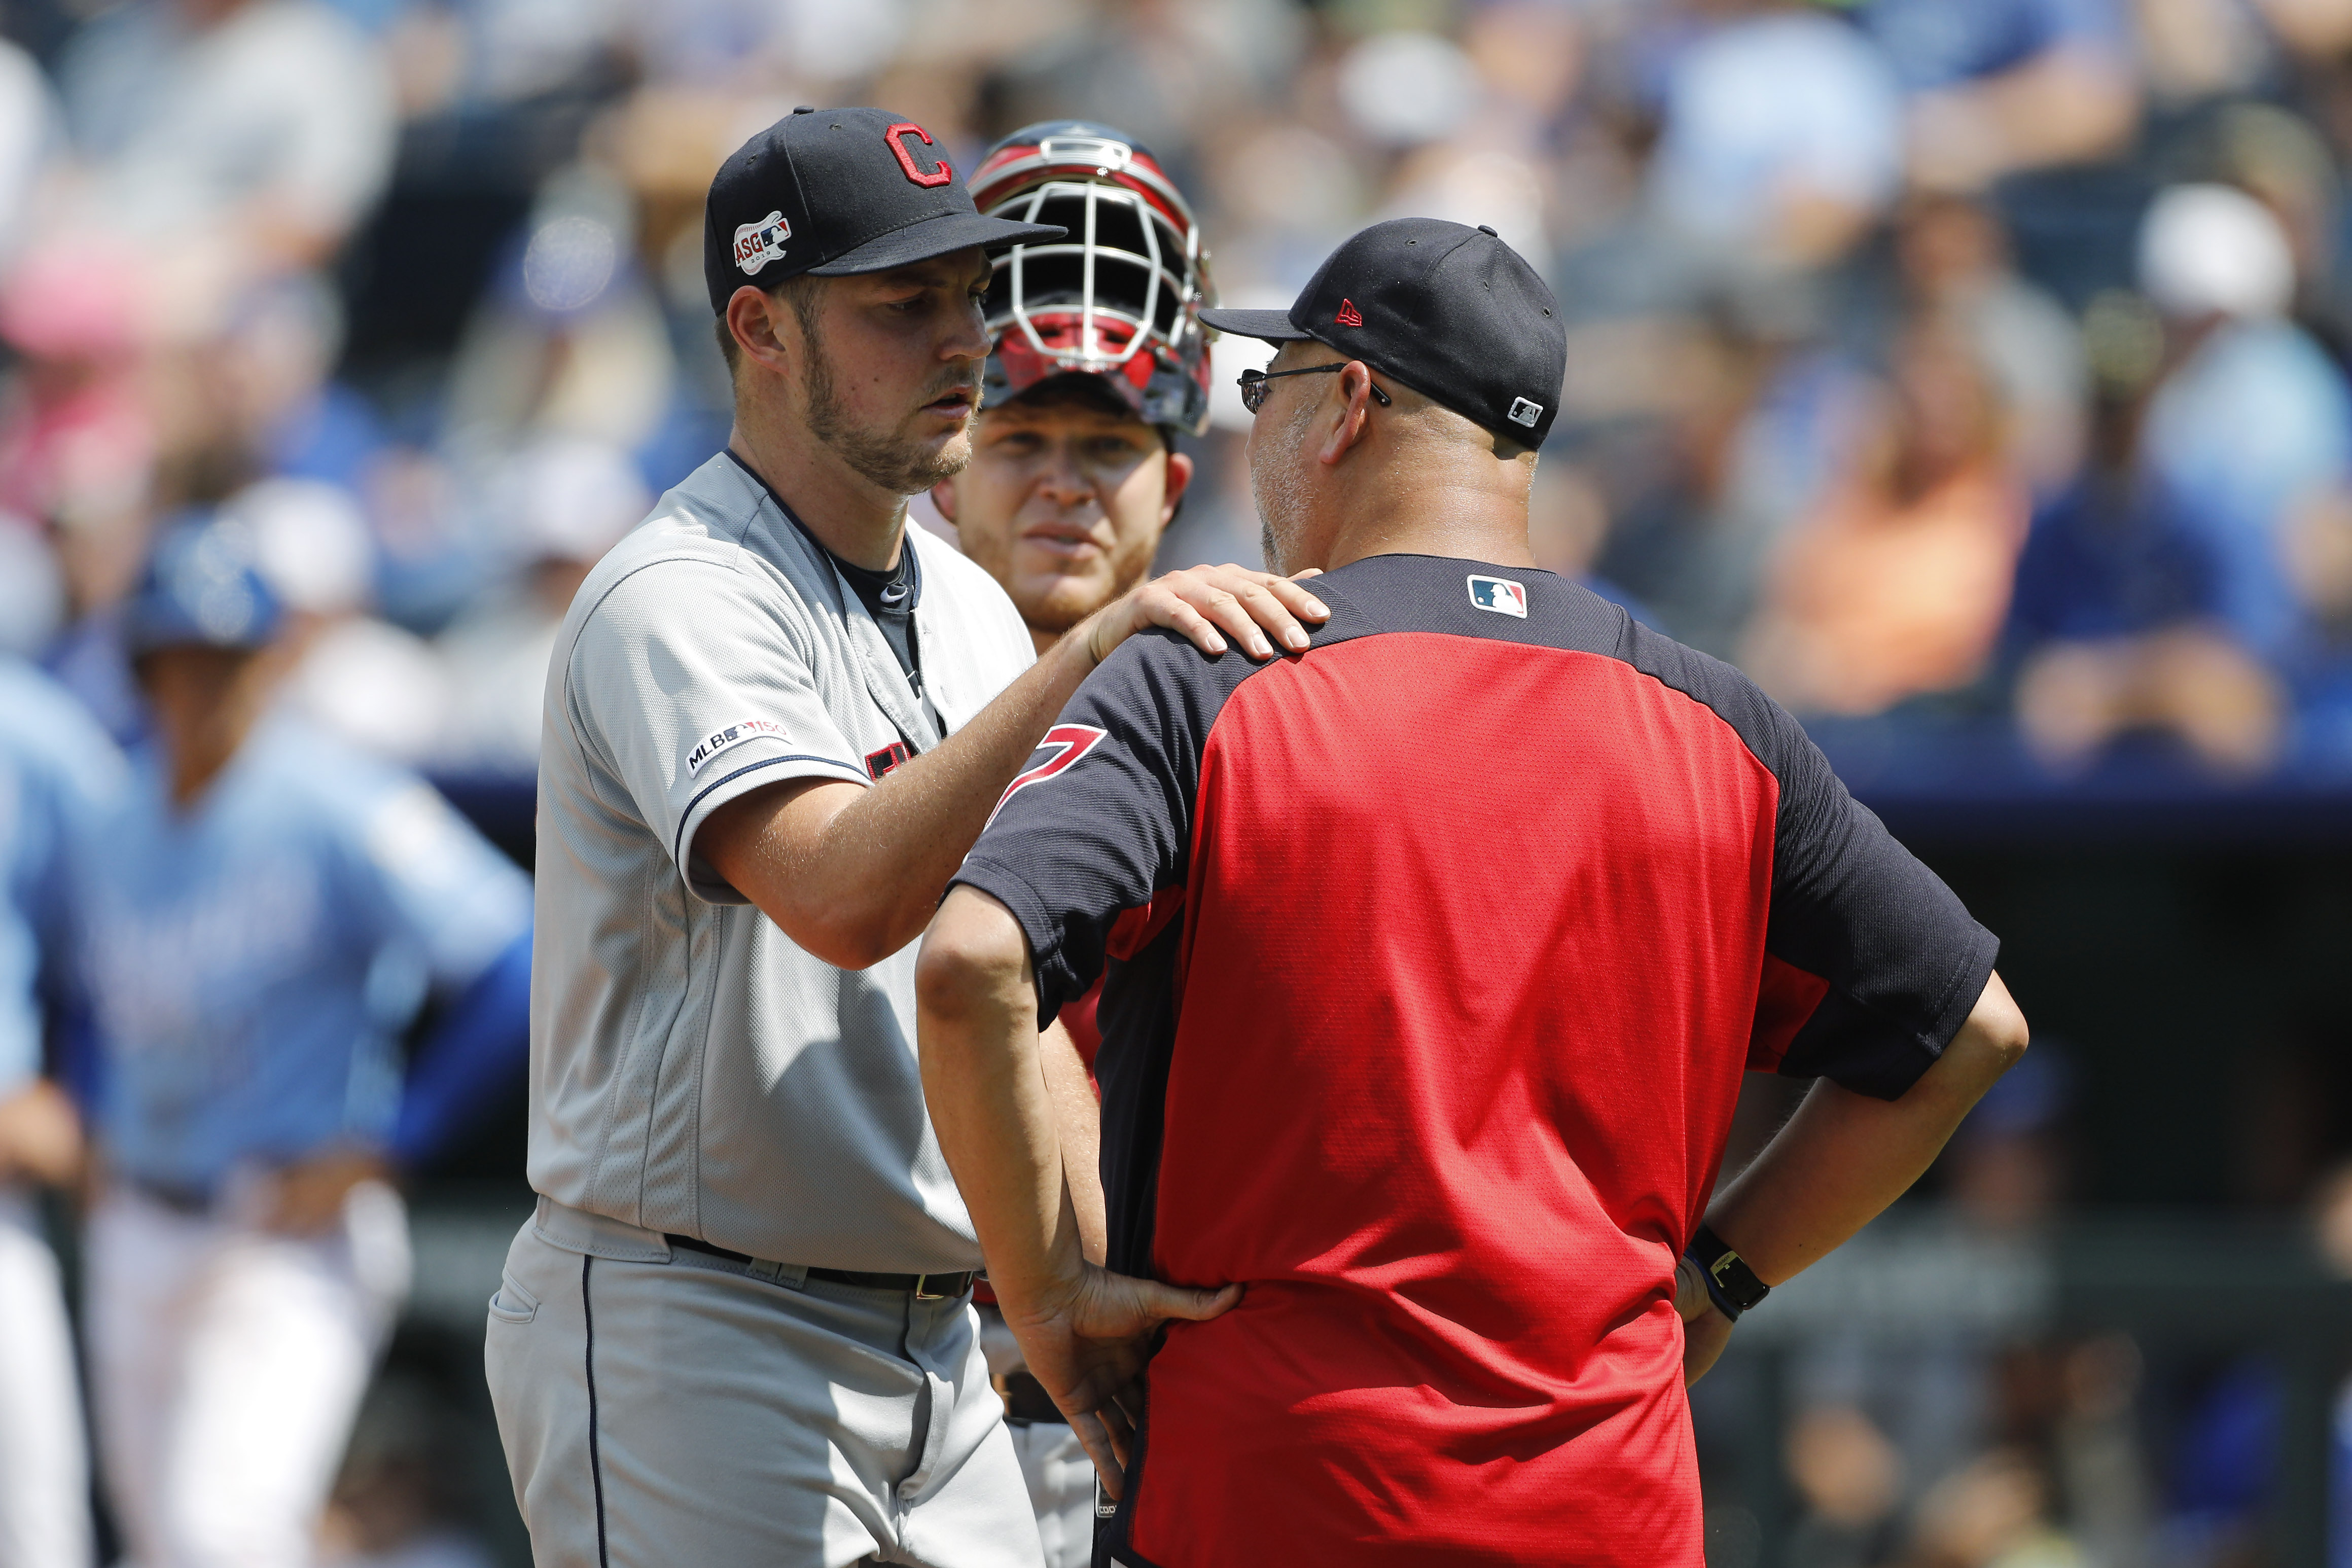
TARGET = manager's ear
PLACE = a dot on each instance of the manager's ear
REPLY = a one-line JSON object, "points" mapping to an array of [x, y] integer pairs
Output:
{"points": [[1354, 420], [943, 496]]}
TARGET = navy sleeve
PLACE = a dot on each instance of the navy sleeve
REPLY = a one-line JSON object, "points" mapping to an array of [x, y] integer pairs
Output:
{"points": [[1888, 955], [479, 1053], [1100, 822], [1871, 963]]}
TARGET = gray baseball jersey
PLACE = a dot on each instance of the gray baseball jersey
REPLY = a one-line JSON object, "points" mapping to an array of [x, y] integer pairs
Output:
{"points": [[693, 1070]]}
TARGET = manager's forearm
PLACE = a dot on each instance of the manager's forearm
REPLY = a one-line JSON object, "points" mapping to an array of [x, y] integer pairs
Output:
{"points": [[976, 1027], [1844, 1157], [1078, 1126]]}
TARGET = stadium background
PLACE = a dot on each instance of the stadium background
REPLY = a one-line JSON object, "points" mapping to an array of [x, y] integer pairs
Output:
{"points": [[1883, 382]]}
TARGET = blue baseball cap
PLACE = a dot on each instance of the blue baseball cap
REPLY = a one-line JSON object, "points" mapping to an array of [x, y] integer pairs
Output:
{"points": [[200, 588]]}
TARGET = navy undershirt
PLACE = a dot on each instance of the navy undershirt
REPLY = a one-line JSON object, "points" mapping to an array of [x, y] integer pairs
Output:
{"points": [[888, 597]]}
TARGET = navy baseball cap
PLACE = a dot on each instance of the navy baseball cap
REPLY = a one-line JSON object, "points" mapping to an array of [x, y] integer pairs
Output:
{"points": [[836, 192], [200, 588], [1450, 311]]}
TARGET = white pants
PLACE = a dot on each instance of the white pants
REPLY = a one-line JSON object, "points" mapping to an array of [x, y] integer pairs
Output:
{"points": [[1053, 1462], [44, 1477], [1061, 1490], [228, 1362], [658, 1410]]}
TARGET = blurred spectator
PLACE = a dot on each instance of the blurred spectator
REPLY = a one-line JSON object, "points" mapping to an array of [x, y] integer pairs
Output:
{"points": [[1995, 1513], [2252, 421], [1170, 71], [257, 129], [275, 356], [2115, 620], [77, 438], [1724, 429], [348, 674], [1998, 86], [1957, 1451], [1954, 260], [32, 589], [57, 775], [29, 134], [264, 916], [570, 341], [1897, 587], [392, 1506], [1783, 138], [1850, 1478], [568, 503]]}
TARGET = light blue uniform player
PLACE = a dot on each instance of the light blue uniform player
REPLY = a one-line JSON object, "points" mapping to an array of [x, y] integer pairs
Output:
{"points": [[58, 770], [266, 915]]}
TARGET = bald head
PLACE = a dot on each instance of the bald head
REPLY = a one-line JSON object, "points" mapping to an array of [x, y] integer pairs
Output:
{"points": [[1339, 474]]}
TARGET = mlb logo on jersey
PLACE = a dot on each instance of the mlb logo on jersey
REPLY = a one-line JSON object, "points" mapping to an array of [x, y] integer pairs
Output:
{"points": [[735, 735], [756, 244], [1499, 595]]}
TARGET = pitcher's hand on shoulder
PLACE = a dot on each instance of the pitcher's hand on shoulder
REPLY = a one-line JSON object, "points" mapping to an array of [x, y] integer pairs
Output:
{"points": [[1210, 604]]}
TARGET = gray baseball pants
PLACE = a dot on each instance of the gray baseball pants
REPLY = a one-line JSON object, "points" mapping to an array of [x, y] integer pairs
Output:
{"points": [[661, 1406]]}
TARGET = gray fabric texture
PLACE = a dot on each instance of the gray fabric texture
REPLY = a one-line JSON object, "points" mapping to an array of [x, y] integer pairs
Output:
{"points": [[693, 1070], [728, 1422]]}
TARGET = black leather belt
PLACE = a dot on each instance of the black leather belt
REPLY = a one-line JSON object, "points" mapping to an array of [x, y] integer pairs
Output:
{"points": [[924, 1287]]}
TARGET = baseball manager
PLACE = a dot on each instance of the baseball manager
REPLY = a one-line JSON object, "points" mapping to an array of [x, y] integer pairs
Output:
{"points": [[737, 1330], [1435, 954]]}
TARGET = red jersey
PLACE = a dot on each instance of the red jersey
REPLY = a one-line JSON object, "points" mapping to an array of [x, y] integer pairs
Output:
{"points": [[1435, 955]]}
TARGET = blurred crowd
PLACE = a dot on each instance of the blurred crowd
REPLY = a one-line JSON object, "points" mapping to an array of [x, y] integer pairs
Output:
{"points": [[1977, 366]]}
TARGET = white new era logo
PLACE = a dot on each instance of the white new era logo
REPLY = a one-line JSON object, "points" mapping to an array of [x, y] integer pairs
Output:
{"points": [[1499, 595]]}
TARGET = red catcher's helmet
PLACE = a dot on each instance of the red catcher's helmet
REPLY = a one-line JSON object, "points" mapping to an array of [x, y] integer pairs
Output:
{"points": [[1121, 296]]}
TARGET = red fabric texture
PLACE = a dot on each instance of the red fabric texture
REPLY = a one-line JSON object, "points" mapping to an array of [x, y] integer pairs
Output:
{"points": [[1462, 1020]]}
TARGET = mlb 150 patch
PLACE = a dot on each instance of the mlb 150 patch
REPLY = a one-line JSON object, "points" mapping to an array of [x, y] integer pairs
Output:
{"points": [[735, 735], [1499, 595]]}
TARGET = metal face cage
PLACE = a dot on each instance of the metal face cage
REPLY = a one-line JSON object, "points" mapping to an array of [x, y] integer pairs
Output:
{"points": [[1126, 271]]}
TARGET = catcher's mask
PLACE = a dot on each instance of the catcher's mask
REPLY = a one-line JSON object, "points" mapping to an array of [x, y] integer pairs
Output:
{"points": [[1119, 296]]}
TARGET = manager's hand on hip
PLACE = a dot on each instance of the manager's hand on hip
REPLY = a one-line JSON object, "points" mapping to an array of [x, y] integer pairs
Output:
{"points": [[1087, 1343], [1209, 605], [1705, 1330]]}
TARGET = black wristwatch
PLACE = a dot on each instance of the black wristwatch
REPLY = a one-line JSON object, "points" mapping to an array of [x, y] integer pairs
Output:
{"points": [[1730, 1283]]}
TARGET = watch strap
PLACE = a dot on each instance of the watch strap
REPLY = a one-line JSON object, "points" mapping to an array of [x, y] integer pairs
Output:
{"points": [[1730, 1283]]}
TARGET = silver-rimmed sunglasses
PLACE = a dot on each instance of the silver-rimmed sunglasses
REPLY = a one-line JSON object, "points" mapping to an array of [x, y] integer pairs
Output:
{"points": [[1253, 382]]}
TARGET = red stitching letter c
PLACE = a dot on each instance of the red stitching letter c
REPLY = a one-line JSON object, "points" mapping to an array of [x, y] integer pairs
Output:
{"points": [[898, 135]]}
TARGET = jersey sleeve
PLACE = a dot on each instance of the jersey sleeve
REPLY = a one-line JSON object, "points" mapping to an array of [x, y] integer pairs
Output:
{"points": [[437, 885], [1099, 823], [1870, 962], [689, 687]]}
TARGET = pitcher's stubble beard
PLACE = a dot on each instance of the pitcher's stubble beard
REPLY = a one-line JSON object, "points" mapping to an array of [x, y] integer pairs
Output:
{"points": [[887, 458]]}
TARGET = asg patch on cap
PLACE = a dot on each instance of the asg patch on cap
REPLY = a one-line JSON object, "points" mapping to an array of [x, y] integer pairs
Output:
{"points": [[850, 191], [756, 244]]}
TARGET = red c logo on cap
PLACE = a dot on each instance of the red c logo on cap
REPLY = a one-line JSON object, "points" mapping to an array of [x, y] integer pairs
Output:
{"points": [[897, 136]]}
